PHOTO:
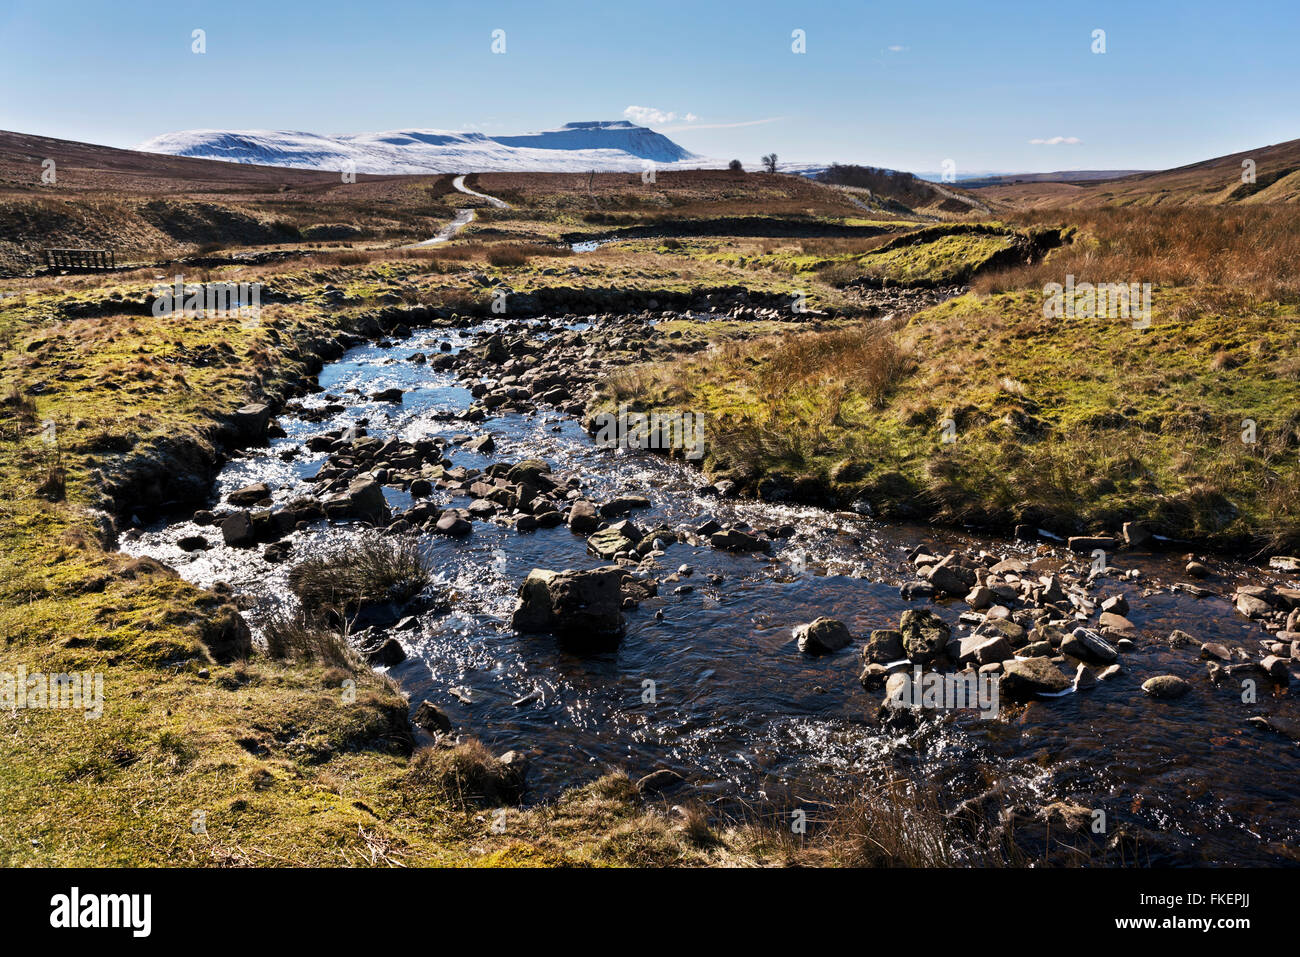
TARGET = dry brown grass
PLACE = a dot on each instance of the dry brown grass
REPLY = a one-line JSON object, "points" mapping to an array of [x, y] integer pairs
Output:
{"points": [[349, 257], [866, 355], [622, 198], [372, 570], [903, 824], [299, 637], [495, 254], [517, 254], [20, 409], [465, 776], [1244, 250]]}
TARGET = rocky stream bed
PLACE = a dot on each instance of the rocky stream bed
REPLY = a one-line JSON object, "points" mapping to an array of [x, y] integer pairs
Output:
{"points": [[672, 647]]}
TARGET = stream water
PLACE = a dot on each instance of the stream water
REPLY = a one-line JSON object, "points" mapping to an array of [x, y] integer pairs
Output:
{"points": [[737, 709]]}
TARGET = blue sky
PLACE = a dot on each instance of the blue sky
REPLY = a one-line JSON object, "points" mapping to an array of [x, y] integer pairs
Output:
{"points": [[901, 84]]}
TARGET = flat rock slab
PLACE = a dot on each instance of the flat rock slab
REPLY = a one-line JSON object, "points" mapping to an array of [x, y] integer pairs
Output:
{"points": [[1087, 646], [249, 494], [985, 649], [1111, 623], [1023, 678], [608, 542], [734, 540]]}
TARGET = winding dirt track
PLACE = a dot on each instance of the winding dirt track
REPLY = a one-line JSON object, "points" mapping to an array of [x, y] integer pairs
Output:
{"points": [[464, 216], [459, 183]]}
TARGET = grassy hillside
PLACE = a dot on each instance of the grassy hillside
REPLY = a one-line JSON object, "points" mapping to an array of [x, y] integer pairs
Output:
{"points": [[892, 189], [150, 208], [1214, 182]]}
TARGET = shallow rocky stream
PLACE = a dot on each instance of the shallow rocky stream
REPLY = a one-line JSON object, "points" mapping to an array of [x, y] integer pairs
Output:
{"points": [[750, 722]]}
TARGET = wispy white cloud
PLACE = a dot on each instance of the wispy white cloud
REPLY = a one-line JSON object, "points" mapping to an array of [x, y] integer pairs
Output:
{"points": [[720, 126], [1056, 141], [650, 116], [897, 48]]}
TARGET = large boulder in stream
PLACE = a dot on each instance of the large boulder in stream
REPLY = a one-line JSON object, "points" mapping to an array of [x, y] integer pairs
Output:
{"points": [[363, 499], [822, 636], [582, 608], [583, 517], [250, 423], [452, 523], [494, 349], [950, 576], [531, 473], [237, 530], [1165, 686], [1025, 677], [925, 635], [884, 647]]}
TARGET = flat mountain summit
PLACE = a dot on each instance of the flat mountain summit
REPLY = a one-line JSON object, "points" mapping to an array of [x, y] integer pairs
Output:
{"points": [[607, 146]]}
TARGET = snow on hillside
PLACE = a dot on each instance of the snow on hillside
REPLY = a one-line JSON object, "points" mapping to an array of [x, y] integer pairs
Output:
{"points": [[575, 147]]}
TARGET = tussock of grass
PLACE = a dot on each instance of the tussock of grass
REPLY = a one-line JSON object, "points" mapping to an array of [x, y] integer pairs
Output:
{"points": [[19, 408], [866, 355], [696, 828], [369, 571], [301, 638], [903, 824], [465, 776]]}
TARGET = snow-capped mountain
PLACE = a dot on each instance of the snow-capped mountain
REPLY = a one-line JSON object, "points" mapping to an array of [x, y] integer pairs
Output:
{"points": [[575, 147]]}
